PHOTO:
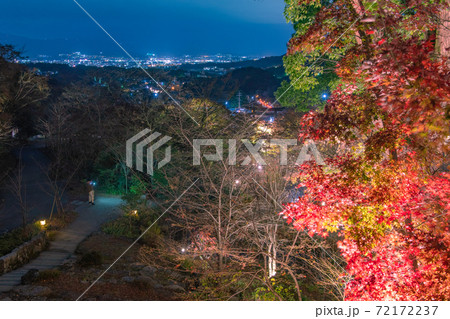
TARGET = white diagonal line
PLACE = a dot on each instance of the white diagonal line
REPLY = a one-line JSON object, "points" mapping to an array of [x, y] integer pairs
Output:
{"points": [[126, 250], [307, 69], [303, 229], [134, 60]]}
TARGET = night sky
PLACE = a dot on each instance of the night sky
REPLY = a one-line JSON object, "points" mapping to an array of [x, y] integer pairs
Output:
{"points": [[164, 27]]}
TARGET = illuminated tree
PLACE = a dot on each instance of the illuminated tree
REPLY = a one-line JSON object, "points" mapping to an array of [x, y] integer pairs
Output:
{"points": [[386, 192]]}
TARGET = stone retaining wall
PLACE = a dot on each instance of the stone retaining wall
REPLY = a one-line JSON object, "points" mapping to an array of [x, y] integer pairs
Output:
{"points": [[23, 254]]}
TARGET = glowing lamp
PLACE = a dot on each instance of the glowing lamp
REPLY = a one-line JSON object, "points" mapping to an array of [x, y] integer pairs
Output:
{"points": [[42, 222]]}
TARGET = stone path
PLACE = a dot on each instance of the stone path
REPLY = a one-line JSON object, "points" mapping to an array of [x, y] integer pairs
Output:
{"points": [[88, 220]]}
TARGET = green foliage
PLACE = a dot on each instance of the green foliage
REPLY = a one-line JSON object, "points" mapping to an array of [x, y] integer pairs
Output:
{"points": [[301, 17], [285, 289], [122, 227], [111, 181], [311, 75], [137, 186], [132, 225], [310, 96], [116, 178], [16, 237]]}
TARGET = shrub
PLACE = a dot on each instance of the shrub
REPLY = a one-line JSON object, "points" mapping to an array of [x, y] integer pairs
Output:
{"points": [[282, 287], [187, 264], [122, 227], [59, 222], [132, 226], [48, 274], [16, 237]]}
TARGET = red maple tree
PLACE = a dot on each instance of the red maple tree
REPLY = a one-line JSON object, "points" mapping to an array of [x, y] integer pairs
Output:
{"points": [[386, 192]]}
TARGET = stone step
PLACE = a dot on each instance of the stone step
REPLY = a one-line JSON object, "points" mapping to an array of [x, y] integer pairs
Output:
{"points": [[88, 220]]}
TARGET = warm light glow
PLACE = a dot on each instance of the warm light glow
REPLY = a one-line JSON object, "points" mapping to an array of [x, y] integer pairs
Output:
{"points": [[134, 212], [183, 250], [43, 222], [265, 129], [237, 181], [265, 103]]}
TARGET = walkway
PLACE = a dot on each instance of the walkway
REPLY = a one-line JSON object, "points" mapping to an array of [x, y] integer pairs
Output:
{"points": [[89, 220]]}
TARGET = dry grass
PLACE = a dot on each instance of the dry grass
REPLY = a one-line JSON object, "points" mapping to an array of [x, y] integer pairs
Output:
{"points": [[69, 287], [71, 283], [109, 247]]}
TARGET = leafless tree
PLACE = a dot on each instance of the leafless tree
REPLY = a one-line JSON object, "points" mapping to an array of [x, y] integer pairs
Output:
{"points": [[19, 190]]}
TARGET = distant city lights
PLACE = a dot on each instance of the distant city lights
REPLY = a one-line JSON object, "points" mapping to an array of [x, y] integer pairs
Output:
{"points": [[150, 60]]}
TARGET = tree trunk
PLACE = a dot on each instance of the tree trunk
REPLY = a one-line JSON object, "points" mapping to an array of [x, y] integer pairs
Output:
{"points": [[272, 252], [443, 34], [272, 264]]}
